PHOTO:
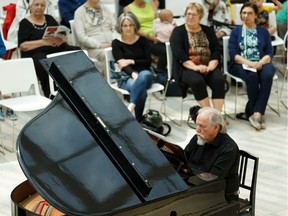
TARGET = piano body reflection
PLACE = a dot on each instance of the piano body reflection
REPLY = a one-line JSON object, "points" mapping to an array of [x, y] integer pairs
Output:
{"points": [[85, 154]]}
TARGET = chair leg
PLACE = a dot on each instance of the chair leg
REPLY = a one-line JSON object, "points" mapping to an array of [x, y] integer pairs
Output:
{"points": [[284, 82], [181, 117], [13, 139], [1, 142], [278, 101]]}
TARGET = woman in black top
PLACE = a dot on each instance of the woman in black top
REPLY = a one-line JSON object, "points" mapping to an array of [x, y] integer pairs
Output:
{"points": [[32, 44], [132, 54]]}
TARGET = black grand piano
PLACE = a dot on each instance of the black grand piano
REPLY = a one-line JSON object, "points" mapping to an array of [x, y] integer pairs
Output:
{"points": [[85, 154]]}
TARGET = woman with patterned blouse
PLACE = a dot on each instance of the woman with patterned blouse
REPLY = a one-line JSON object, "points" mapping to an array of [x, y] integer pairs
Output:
{"points": [[251, 53], [196, 58]]}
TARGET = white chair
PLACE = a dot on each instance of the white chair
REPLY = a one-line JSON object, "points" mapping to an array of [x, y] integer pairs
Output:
{"points": [[285, 68], [226, 59], [73, 34], [19, 76], [156, 87], [177, 7], [53, 90], [169, 57], [112, 5]]}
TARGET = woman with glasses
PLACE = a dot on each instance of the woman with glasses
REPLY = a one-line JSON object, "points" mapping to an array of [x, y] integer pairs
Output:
{"points": [[132, 54], [196, 58], [94, 27], [251, 53]]}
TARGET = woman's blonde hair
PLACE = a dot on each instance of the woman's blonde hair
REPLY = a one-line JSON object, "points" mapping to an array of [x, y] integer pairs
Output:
{"points": [[129, 16], [199, 8]]}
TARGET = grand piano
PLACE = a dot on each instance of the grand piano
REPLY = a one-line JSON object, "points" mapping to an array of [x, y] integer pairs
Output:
{"points": [[85, 154]]}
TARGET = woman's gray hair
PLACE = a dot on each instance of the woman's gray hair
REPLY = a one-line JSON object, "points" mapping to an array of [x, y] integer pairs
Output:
{"points": [[129, 16], [215, 118]]}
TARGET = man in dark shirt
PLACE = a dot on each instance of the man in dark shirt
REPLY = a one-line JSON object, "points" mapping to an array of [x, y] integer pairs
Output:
{"points": [[212, 153]]}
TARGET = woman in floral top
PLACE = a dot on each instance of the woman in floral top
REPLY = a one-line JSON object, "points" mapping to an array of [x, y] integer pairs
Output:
{"points": [[250, 48], [196, 58]]}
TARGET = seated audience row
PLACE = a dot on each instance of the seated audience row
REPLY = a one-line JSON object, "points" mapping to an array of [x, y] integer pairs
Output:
{"points": [[195, 47]]}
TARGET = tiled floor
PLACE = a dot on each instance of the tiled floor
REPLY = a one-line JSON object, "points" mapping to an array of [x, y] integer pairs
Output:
{"points": [[270, 145]]}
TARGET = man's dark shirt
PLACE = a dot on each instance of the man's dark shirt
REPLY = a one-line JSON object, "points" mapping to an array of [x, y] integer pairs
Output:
{"points": [[221, 158]]}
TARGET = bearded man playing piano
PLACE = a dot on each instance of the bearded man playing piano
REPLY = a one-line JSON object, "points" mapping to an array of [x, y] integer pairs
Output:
{"points": [[212, 153]]}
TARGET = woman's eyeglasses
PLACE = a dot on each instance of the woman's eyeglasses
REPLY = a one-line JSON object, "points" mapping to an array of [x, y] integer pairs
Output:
{"points": [[128, 26], [192, 14]]}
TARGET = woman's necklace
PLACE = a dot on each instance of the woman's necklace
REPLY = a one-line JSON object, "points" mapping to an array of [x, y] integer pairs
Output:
{"points": [[36, 26], [40, 28]]}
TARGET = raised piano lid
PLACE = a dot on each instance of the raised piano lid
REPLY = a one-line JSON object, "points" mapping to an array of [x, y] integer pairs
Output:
{"points": [[85, 153]]}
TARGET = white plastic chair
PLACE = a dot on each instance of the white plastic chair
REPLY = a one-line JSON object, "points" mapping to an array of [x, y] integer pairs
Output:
{"points": [[285, 68], [169, 57], [156, 87], [73, 34], [53, 90], [226, 59], [19, 76]]}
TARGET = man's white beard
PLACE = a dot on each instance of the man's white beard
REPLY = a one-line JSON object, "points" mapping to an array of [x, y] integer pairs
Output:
{"points": [[200, 140]]}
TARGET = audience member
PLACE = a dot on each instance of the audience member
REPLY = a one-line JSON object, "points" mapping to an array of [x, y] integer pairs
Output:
{"points": [[9, 113], [146, 13], [2, 47], [23, 10], [196, 58], [251, 53], [282, 20], [133, 56], [123, 4], [67, 9], [95, 28], [31, 41], [163, 29], [216, 16], [263, 14], [212, 153], [2, 53]]}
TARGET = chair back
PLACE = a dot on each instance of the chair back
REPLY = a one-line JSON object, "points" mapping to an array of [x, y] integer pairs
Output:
{"points": [[226, 56], [236, 11], [109, 57], [272, 22], [73, 33], [177, 7], [169, 60], [248, 171], [18, 75], [53, 90]]}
